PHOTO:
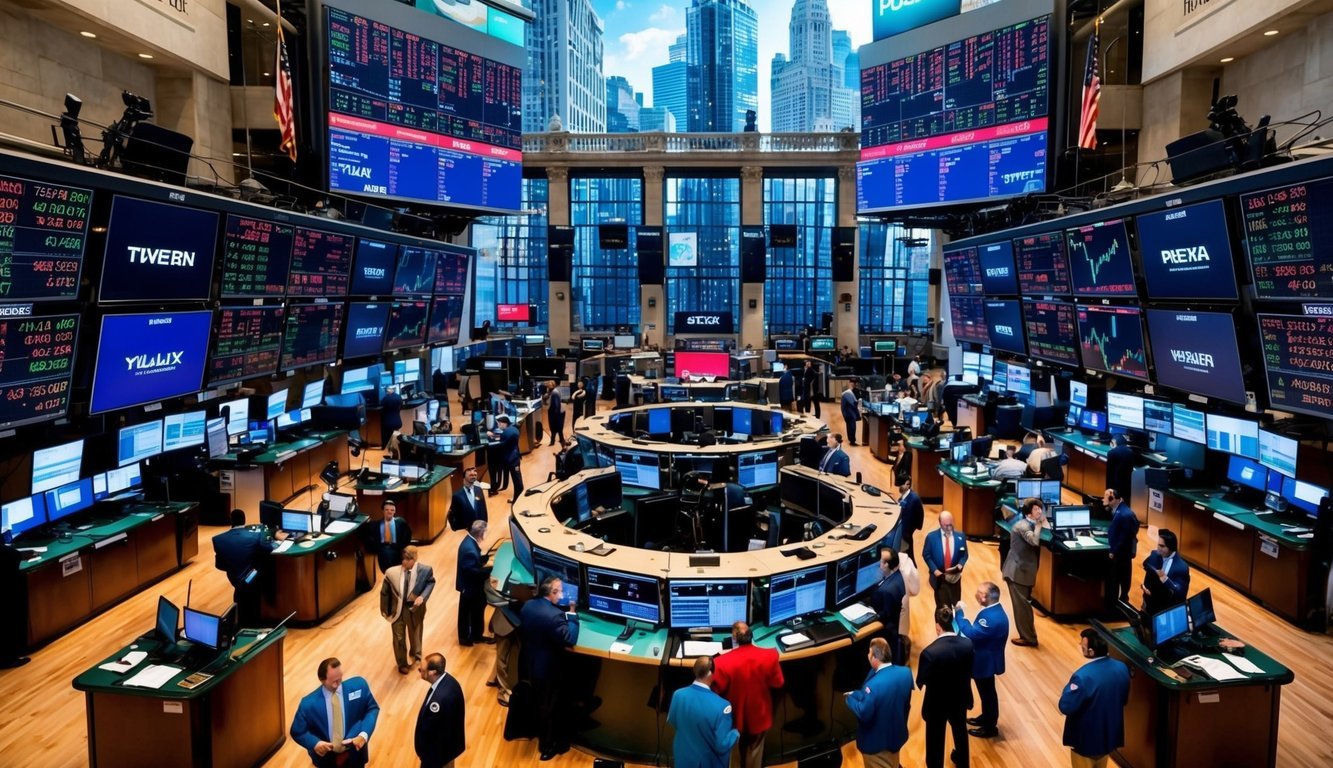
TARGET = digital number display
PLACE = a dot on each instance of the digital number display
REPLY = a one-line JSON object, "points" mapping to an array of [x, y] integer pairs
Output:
{"points": [[1043, 268], [321, 263], [451, 271], [1298, 360], [43, 230], [962, 271], [1099, 261], [968, 319], [1111, 340], [1289, 238], [256, 256], [311, 335], [1052, 331], [246, 344], [36, 364]]}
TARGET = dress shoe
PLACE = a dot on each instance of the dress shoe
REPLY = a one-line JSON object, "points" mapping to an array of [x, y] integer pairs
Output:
{"points": [[403, 670], [970, 720], [1023, 643], [502, 702], [488, 639], [465, 643], [496, 684], [491, 492], [548, 756], [983, 733]]}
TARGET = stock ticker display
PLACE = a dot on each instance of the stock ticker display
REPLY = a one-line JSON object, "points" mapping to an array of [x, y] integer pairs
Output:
{"points": [[961, 122], [246, 344], [1099, 260], [321, 263], [43, 230], [256, 256], [310, 335], [968, 317], [1289, 237], [406, 326], [451, 268], [1043, 268], [1052, 331], [1298, 359], [36, 365], [962, 272], [416, 119], [1111, 340]]}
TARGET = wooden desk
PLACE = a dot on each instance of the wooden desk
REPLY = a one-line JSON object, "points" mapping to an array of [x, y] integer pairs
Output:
{"points": [[236, 718], [314, 578], [878, 429], [926, 479], [423, 504], [1086, 470], [283, 470], [972, 500], [1071, 579], [458, 461]]}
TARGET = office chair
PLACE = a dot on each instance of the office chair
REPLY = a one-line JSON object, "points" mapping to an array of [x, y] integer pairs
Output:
{"points": [[1053, 468]]}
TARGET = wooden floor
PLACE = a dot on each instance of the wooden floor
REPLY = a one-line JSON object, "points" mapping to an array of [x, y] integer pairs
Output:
{"points": [[42, 717]]}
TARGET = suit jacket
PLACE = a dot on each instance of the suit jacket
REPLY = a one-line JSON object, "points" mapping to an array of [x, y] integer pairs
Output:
{"points": [[786, 387], [851, 410], [470, 575], [1176, 587], [1093, 704], [746, 676], [388, 553], [391, 413], [887, 600], [1020, 566], [391, 591], [912, 512], [546, 631], [1120, 469], [704, 736], [933, 553], [507, 450], [463, 513], [989, 635], [838, 462], [360, 712], [440, 734], [944, 669], [881, 706], [1123, 535], [555, 412], [239, 551], [808, 378]]}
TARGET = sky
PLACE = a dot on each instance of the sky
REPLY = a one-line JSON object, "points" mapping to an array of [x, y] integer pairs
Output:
{"points": [[637, 33]]}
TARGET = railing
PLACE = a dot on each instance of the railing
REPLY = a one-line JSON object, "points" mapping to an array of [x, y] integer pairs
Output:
{"points": [[602, 143]]}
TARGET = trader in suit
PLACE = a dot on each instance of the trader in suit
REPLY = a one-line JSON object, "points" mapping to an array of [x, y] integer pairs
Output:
{"points": [[1120, 466], [851, 410], [944, 669], [1166, 575], [242, 554], [470, 582], [702, 719], [1093, 703], [440, 736], [811, 381], [439, 384], [912, 512], [786, 389], [887, 600], [988, 635], [467, 504], [1039, 454], [555, 413], [1020, 568], [881, 706], [746, 676], [507, 451], [391, 415], [945, 554], [335, 722], [389, 536], [1123, 538], [835, 460], [804, 383], [403, 597], [546, 631]]}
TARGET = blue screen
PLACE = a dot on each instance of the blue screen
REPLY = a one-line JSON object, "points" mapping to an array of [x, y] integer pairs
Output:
{"points": [[1093, 420], [998, 277], [1248, 473], [1186, 253], [711, 603], [372, 273], [1196, 352], [1230, 435], [1278, 452], [68, 499], [659, 421], [741, 422], [23, 514], [1170, 624], [202, 628], [1304, 496], [156, 251], [365, 329], [776, 424], [150, 357], [1187, 424], [545, 564], [1099, 261], [626, 595], [1005, 321]]}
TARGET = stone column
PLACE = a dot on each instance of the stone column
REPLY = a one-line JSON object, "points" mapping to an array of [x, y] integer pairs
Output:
{"points": [[559, 295], [652, 298], [847, 314], [751, 321]]}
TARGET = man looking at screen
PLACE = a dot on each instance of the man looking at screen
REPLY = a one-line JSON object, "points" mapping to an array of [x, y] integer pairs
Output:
{"points": [[746, 676], [547, 630]]}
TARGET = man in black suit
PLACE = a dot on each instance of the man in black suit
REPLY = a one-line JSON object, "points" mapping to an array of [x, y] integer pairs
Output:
{"points": [[242, 554], [391, 415], [439, 738], [887, 600], [1120, 466], [555, 413], [470, 581], [439, 384], [388, 536], [945, 671], [547, 630], [1166, 575], [468, 503], [507, 451], [913, 515]]}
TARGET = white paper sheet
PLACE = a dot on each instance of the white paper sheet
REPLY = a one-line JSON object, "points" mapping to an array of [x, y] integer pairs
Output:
{"points": [[794, 639], [856, 612], [339, 526], [153, 676], [693, 648], [1243, 664], [125, 663]]}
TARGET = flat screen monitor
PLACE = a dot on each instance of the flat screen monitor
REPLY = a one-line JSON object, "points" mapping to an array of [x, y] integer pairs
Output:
{"points": [[1111, 340], [1157, 416], [1232, 435], [986, 365], [714, 603], [624, 595], [454, 262], [960, 452], [1099, 260], [237, 414], [1196, 352], [1286, 232], [998, 277], [68, 499], [1302, 495], [446, 320], [44, 258], [1296, 373], [415, 274], [1072, 415], [971, 362], [757, 470], [1046, 490], [742, 420], [1018, 379], [1247, 473], [1278, 452], [659, 421], [246, 344], [981, 446], [1170, 624], [148, 357], [1004, 319], [1093, 421], [1200, 609], [321, 264], [546, 564], [1124, 410], [357, 380], [1078, 394], [1043, 268], [1186, 253], [298, 521], [311, 334], [593, 345], [639, 469], [256, 255], [35, 382], [139, 441], [513, 313], [313, 394], [183, 430], [215, 431], [1071, 518], [364, 333], [56, 466], [373, 269], [797, 593], [522, 545], [1187, 424], [168, 621], [123, 478], [786, 343], [967, 319], [855, 575], [406, 326], [696, 364], [158, 252], [1052, 329], [885, 347], [277, 405], [203, 629], [22, 515], [822, 344]]}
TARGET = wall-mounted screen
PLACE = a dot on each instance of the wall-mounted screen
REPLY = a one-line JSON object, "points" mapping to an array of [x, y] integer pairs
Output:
{"points": [[703, 364], [364, 334], [1004, 320], [415, 275], [446, 320], [513, 313], [962, 271], [1043, 268], [183, 430], [321, 264], [1296, 351], [1186, 253], [373, 268], [144, 358], [311, 335], [1289, 239], [1196, 352], [158, 252], [36, 365], [246, 343], [256, 255], [451, 270], [998, 277], [1111, 340], [1124, 410], [1232, 435], [1188, 424], [967, 318], [47, 230], [406, 326], [1099, 260], [1052, 329]]}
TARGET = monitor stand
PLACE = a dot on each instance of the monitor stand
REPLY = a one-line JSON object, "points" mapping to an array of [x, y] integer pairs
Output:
{"points": [[631, 626]]}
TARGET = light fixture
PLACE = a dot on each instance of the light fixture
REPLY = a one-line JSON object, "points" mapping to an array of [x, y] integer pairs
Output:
{"points": [[1270, 33], [1228, 59], [268, 74], [266, 23], [145, 55], [89, 35]]}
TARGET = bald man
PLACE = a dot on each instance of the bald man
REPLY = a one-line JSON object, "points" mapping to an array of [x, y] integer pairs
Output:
{"points": [[746, 676], [945, 554]]}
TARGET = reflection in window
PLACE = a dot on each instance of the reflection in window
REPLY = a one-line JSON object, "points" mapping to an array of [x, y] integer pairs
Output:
{"points": [[511, 258], [799, 285], [895, 271], [711, 210], [605, 282]]}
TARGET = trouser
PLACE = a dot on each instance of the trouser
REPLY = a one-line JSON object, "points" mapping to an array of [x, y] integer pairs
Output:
{"points": [[516, 476], [749, 751], [471, 616], [885, 759], [407, 635], [557, 429], [907, 546], [552, 733], [248, 600], [505, 672], [990, 703], [1021, 596], [1079, 761], [956, 722], [947, 595], [1122, 572], [852, 432]]}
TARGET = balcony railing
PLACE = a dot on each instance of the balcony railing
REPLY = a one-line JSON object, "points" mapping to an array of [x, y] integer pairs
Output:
{"points": [[680, 143]]}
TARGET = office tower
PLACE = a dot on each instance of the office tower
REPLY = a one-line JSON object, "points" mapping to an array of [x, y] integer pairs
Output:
{"points": [[803, 85], [658, 119], [564, 76], [671, 84], [623, 110], [846, 61], [723, 59]]}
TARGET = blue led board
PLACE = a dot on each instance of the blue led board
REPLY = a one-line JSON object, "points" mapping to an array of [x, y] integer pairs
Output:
{"points": [[1099, 260], [1186, 253], [144, 358], [1196, 352]]}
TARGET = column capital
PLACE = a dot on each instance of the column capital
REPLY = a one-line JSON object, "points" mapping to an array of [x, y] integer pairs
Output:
{"points": [[847, 173], [752, 173], [653, 174], [559, 174]]}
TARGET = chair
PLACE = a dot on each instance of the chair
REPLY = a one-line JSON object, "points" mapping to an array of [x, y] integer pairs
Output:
{"points": [[1008, 422], [1053, 468]]}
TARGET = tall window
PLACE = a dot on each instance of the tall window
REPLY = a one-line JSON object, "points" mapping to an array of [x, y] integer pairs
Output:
{"points": [[895, 278], [511, 258], [799, 285], [605, 282], [711, 210]]}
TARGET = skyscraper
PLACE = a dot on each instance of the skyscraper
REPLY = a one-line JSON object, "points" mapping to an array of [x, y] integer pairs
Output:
{"points": [[671, 84], [808, 88], [622, 109], [658, 119], [564, 74], [723, 59]]}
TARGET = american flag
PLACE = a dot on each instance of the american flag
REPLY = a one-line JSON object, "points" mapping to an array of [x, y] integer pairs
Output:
{"points": [[282, 98], [1092, 96]]}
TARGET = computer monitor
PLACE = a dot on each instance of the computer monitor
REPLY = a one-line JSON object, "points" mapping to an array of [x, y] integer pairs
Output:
{"points": [[855, 575], [1078, 394], [1046, 490], [69, 499], [715, 603], [625, 341], [593, 345], [1170, 624], [277, 404], [357, 380], [1124, 410], [1303, 496], [183, 430], [1246, 473], [1200, 609], [22, 515], [776, 423], [56, 466], [981, 446], [297, 521], [757, 470], [123, 478], [522, 545], [742, 421], [238, 413], [1232, 435], [961, 452], [624, 595], [1278, 452], [203, 629], [659, 421], [216, 433], [546, 564], [1071, 518], [797, 593], [313, 394], [168, 621], [639, 469], [778, 366], [1093, 421]]}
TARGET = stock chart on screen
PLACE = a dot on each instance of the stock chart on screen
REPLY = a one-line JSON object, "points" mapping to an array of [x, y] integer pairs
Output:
{"points": [[1111, 340], [1099, 260]]}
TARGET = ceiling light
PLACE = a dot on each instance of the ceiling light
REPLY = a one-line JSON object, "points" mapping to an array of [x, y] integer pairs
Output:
{"points": [[89, 35], [268, 74], [266, 24], [145, 55], [1270, 33], [1228, 59]]}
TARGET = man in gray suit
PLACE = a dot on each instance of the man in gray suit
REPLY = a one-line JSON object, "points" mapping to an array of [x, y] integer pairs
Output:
{"points": [[403, 598], [1020, 568]]}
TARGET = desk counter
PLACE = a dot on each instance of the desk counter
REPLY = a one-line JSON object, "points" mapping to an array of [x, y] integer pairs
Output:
{"points": [[283, 470], [1071, 578], [926, 478], [315, 578], [424, 504], [971, 498], [1086, 470]]}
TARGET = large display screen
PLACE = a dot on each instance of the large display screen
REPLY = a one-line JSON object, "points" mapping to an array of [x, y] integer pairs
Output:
{"points": [[43, 230], [413, 118], [256, 255], [997, 269], [1196, 352], [708, 603], [1111, 340], [962, 272], [36, 364], [446, 320], [1052, 331], [1043, 268], [158, 252], [246, 344], [1186, 253], [968, 319], [702, 364], [406, 326], [1099, 261], [143, 358], [365, 329], [321, 263], [1231, 435], [373, 271], [1004, 319], [625, 595], [960, 122], [451, 270], [1296, 352], [415, 275], [1289, 239], [311, 335]]}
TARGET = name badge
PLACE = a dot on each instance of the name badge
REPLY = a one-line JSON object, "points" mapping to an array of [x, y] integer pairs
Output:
{"points": [[354, 695]]}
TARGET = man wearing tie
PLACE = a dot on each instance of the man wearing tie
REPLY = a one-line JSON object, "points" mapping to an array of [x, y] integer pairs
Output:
{"points": [[746, 677], [887, 600], [913, 515], [851, 410], [467, 504], [555, 413], [470, 581], [945, 554], [390, 536], [1093, 703], [988, 635], [439, 738], [403, 598], [547, 631], [835, 460], [945, 671], [1020, 568], [702, 720], [335, 722], [1166, 575], [881, 706]]}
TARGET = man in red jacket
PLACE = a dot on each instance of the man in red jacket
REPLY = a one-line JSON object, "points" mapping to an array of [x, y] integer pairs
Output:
{"points": [[746, 676]]}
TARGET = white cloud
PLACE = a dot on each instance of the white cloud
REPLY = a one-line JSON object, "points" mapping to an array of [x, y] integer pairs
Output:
{"points": [[853, 17], [664, 15], [634, 55], [621, 5]]}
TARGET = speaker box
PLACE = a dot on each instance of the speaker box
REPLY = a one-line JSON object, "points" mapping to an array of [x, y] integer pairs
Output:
{"points": [[559, 252], [754, 260], [844, 266], [614, 237], [934, 276], [844, 240], [648, 248]]}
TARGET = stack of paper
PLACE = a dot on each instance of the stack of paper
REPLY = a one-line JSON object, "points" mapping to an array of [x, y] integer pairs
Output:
{"points": [[339, 526], [795, 638], [692, 648], [1243, 664], [1215, 668], [857, 612], [153, 676], [125, 663]]}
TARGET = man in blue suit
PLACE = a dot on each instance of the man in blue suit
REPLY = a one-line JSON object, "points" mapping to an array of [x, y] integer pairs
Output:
{"points": [[336, 721], [470, 581], [547, 630], [507, 451], [988, 634], [851, 410], [913, 515], [786, 390], [1123, 538], [1093, 704], [243, 553], [835, 460], [555, 413], [945, 554], [881, 706], [1166, 575], [887, 600], [702, 719]]}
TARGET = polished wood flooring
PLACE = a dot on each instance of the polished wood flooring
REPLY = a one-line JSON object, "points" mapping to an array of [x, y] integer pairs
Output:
{"points": [[42, 717]]}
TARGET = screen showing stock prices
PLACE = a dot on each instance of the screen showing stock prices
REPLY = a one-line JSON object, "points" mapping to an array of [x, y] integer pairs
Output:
{"points": [[321, 263], [1043, 268], [1052, 331], [311, 335], [962, 275], [256, 255], [1298, 359], [1099, 260], [1111, 340], [1289, 238], [36, 364], [1196, 352], [246, 343], [451, 267], [1186, 253], [960, 122], [415, 275], [406, 326], [413, 118], [446, 320], [43, 230]]}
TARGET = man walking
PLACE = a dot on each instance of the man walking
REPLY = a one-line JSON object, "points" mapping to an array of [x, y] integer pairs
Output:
{"points": [[945, 671], [887, 600], [1093, 703], [555, 413], [1020, 568], [1123, 539], [881, 706], [508, 452], [988, 635], [403, 598], [467, 504], [913, 515], [851, 411], [335, 722]]}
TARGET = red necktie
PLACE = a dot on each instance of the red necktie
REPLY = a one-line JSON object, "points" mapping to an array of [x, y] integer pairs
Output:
{"points": [[948, 549]]}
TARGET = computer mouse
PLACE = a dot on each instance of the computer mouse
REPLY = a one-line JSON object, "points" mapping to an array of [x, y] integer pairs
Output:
{"points": [[657, 650]]}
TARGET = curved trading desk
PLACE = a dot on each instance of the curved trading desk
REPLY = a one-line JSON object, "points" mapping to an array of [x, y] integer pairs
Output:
{"points": [[637, 605]]}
